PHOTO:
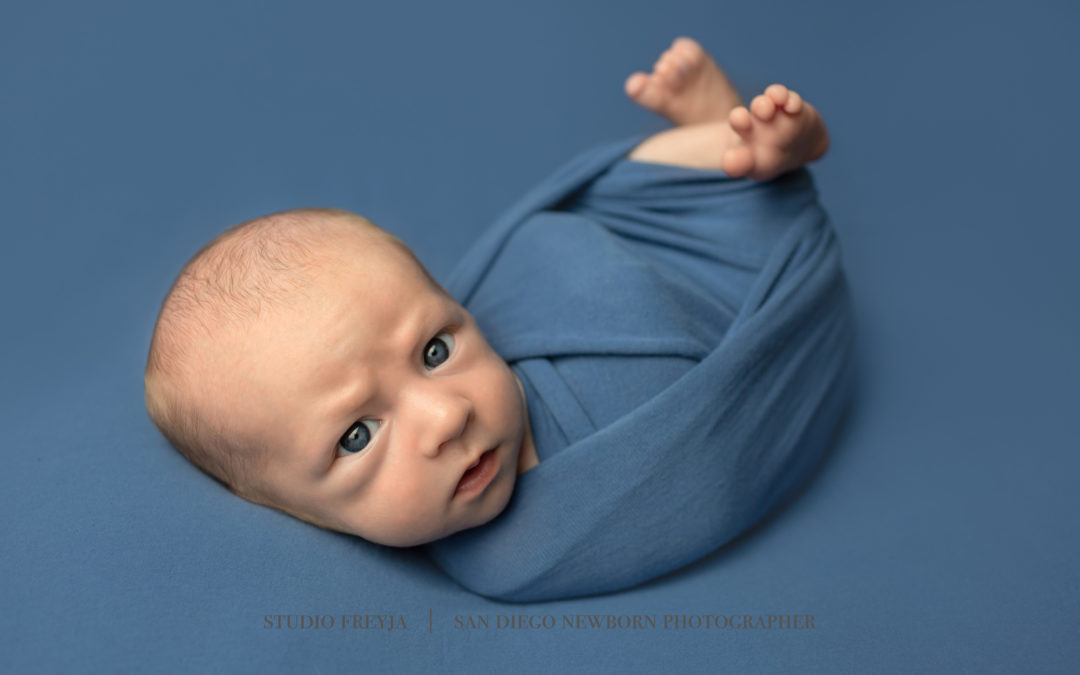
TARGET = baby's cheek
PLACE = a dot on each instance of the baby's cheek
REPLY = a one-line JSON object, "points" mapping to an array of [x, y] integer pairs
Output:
{"points": [[496, 392], [511, 398], [402, 511]]}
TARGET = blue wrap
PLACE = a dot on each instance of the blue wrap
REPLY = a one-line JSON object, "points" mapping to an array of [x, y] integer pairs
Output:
{"points": [[685, 342]]}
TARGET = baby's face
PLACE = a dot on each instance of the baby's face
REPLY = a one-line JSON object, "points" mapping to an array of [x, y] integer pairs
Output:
{"points": [[374, 398]]}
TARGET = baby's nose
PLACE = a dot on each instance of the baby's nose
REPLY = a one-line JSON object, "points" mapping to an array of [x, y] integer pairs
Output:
{"points": [[441, 419]]}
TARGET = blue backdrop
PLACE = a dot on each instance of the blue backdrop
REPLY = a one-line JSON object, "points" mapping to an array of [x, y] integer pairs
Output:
{"points": [[940, 534]]}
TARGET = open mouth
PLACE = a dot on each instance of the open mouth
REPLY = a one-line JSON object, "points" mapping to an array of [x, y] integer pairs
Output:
{"points": [[478, 475]]}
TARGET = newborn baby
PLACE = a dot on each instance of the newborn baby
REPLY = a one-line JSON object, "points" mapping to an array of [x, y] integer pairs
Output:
{"points": [[309, 362]]}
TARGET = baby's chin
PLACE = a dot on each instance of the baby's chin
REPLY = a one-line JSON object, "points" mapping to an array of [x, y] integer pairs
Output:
{"points": [[492, 505]]}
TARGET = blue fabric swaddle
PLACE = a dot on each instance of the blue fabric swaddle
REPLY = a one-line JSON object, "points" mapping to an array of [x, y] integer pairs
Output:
{"points": [[685, 340]]}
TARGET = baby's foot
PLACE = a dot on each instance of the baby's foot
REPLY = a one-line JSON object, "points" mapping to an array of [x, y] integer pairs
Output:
{"points": [[686, 86], [782, 133]]}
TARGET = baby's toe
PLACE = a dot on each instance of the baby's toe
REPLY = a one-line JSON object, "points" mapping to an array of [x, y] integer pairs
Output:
{"points": [[690, 52], [763, 107], [740, 121], [778, 93], [635, 84], [647, 90], [794, 103], [738, 161], [682, 65], [672, 67], [666, 68]]}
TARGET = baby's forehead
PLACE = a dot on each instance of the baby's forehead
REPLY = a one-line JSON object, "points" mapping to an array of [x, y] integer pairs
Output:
{"points": [[373, 277], [359, 263], [338, 264]]}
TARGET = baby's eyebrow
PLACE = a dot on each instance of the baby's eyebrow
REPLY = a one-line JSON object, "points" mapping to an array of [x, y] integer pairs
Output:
{"points": [[354, 396]]}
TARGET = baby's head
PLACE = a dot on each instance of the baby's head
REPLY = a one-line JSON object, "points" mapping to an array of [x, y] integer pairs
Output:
{"points": [[309, 362]]}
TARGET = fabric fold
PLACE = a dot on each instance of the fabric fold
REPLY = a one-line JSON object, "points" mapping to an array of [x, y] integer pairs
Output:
{"points": [[758, 269]]}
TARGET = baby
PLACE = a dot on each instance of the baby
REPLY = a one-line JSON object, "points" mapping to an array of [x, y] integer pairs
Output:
{"points": [[309, 362]]}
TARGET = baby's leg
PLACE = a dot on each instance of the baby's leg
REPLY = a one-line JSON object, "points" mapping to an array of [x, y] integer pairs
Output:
{"points": [[700, 146], [714, 130]]}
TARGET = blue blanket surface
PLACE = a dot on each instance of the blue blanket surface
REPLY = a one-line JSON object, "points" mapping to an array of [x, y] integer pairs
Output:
{"points": [[685, 341]]}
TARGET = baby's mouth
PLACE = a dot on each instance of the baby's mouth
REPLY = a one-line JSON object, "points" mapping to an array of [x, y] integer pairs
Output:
{"points": [[478, 475]]}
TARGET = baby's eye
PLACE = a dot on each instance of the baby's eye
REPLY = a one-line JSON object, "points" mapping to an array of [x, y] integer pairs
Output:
{"points": [[438, 350], [357, 437]]}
